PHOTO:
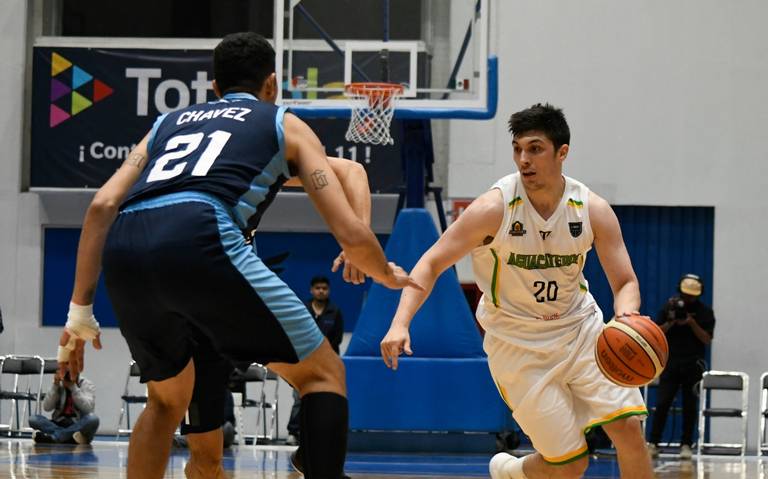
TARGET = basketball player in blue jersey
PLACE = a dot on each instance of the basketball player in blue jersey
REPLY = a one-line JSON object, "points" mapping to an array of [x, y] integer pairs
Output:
{"points": [[188, 291], [528, 237]]}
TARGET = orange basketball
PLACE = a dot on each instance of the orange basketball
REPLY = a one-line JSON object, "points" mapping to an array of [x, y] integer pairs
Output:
{"points": [[631, 351]]}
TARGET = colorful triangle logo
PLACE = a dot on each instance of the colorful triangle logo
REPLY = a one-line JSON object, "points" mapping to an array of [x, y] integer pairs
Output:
{"points": [[79, 103], [57, 115], [100, 90], [69, 102], [79, 77], [58, 64], [58, 89]]}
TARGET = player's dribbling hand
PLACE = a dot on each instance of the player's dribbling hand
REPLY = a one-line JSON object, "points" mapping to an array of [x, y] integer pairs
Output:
{"points": [[81, 326], [76, 362], [396, 342], [350, 274], [399, 279]]}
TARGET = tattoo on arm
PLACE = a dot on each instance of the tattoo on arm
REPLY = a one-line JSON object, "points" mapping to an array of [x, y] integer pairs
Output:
{"points": [[319, 180], [136, 159]]}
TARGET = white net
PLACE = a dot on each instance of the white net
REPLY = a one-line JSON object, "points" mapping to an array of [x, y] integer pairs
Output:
{"points": [[373, 105]]}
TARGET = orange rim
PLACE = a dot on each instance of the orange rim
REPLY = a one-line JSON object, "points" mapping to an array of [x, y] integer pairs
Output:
{"points": [[374, 89]]}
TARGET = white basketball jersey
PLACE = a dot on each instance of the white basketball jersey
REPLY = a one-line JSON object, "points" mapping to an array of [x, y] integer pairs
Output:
{"points": [[534, 291]]}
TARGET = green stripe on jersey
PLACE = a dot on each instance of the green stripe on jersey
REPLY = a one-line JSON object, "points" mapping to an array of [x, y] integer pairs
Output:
{"points": [[495, 278]]}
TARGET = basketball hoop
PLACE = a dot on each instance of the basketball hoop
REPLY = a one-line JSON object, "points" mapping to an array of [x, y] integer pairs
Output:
{"points": [[373, 105]]}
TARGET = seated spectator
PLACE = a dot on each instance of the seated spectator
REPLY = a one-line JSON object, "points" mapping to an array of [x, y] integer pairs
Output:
{"points": [[72, 420]]}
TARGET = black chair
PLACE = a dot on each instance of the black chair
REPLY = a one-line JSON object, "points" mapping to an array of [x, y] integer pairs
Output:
{"points": [[261, 375], [130, 397], [31, 368], [714, 381], [50, 366]]}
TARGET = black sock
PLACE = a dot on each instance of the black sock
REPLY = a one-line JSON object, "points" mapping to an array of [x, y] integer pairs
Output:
{"points": [[324, 419]]}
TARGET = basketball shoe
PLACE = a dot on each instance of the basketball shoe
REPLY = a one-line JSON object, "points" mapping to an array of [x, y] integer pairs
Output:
{"points": [[500, 464]]}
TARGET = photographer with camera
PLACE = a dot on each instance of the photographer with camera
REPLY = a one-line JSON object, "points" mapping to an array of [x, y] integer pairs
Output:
{"points": [[72, 421], [689, 325]]}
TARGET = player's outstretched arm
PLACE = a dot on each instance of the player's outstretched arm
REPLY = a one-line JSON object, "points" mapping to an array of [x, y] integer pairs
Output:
{"points": [[354, 182], [305, 153], [613, 256], [481, 220], [81, 325]]}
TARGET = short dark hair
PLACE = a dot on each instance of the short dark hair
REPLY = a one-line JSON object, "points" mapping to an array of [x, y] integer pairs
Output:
{"points": [[242, 61], [544, 118], [319, 279]]}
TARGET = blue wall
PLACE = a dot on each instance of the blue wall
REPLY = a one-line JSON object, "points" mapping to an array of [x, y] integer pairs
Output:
{"points": [[310, 254], [664, 243]]}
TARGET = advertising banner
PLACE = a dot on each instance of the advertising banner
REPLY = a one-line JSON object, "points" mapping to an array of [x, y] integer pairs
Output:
{"points": [[90, 106]]}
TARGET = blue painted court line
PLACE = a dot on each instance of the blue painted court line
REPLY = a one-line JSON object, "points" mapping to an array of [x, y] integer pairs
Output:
{"points": [[418, 464]]}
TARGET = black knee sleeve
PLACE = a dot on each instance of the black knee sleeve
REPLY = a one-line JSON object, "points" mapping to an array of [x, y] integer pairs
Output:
{"points": [[324, 419]]}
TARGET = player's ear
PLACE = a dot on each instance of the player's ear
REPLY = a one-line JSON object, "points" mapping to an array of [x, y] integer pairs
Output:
{"points": [[562, 152], [216, 89], [268, 90]]}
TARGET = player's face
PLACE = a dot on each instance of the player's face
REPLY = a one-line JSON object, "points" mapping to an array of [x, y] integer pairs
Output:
{"points": [[539, 164], [320, 291]]}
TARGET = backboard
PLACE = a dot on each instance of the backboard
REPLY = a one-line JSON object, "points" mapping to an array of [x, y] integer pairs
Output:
{"points": [[436, 49]]}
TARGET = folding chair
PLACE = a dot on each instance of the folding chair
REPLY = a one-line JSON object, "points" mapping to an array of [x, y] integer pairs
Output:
{"points": [[257, 373], [21, 366], [50, 366], [723, 381], [128, 398], [762, 441]]}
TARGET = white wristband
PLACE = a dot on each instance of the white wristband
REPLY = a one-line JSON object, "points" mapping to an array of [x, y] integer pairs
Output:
{"points": [[81, 322]]}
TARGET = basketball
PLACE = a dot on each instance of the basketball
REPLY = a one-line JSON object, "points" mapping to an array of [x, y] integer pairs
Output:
{"points": [[631, 351]]}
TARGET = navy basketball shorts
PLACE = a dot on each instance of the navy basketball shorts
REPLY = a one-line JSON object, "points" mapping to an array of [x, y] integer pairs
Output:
{"points": [[178, 264], [208, 408]]}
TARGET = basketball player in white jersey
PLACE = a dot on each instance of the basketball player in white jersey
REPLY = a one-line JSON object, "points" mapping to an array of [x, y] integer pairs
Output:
{"points": [[528, 237]]}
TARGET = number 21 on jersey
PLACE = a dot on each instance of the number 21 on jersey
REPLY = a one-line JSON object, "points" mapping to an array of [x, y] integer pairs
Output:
{"points": [[189, 144]]}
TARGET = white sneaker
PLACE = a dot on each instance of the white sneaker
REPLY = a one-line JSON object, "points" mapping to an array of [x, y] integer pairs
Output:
{"points": [[292, 440], [685, 452], [79, 438], [497, 466]]}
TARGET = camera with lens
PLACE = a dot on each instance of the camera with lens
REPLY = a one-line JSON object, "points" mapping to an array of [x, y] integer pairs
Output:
{"points": [[676, 310]]}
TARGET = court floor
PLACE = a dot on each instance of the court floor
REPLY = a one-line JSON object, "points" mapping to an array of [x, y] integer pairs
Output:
{"points": [[21, 458]]}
